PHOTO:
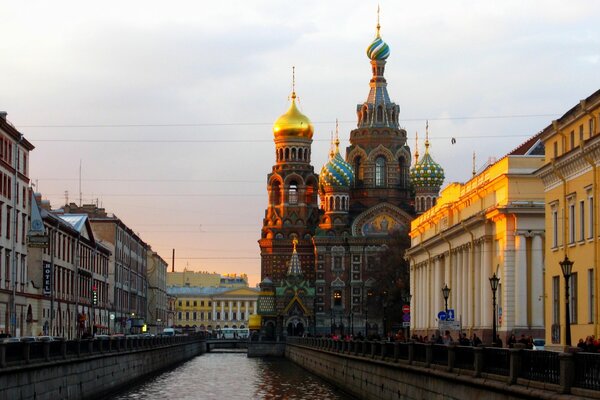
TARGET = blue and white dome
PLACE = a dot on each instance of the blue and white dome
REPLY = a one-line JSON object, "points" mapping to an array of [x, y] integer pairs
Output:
{"points": [[337, 172]]}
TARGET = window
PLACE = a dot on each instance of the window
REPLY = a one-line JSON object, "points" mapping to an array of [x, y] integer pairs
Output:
{"points": [[380, 171], [293, 194], [581, 134], [358, 169], [591, 296], [571, 223], [591, 127], [556, 300], [337, 298], [573, 299], [202, 303], [591, 217], [555, 149], [572, 141], [554, 228], [187, 316], [581, 220], [187, 303], [194, 315], [195, 304], [179, 315]]}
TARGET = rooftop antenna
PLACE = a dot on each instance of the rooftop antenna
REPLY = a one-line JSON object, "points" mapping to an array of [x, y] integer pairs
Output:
{"points": [[474, 165], [66, 197]]}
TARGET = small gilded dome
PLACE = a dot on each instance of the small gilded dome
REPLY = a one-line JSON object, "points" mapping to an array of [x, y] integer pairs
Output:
{"points": [[378, 49], [293, 123], [337, 172], [427, 173]]}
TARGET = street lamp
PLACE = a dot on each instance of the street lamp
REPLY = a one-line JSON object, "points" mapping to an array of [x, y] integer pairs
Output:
{"points": [[567, 266], [446, 294], [406, 299], [494, 280]]}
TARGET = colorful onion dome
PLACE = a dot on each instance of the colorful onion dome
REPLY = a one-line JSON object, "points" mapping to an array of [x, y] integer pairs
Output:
{"points": [[337, 172], [378, 49], [293, 123], [427, 173]]}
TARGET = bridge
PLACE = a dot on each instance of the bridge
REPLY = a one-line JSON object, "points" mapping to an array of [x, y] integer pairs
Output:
{"points": [[212, 344]]}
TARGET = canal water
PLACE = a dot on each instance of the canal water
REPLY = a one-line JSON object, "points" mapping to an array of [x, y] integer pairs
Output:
{"points": [[232, 376]]}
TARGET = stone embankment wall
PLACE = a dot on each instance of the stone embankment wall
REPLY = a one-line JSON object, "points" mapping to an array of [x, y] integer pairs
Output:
{"points": [[90, 370], [367, 371]]}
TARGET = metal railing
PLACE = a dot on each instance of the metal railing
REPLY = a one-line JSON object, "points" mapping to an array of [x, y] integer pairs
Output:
{"points": [[16, 354], [582, 370]]}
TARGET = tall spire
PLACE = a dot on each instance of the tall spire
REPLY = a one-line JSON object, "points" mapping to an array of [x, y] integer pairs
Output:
{"points": [[378, 26], [337, 136], [293, 82], [295, 268], [416, 147], [427, 136]]}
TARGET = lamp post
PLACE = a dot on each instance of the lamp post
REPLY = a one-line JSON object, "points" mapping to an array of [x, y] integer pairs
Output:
{"points": [[567, 266], [406, 299], [446, 294], [494, 280]]}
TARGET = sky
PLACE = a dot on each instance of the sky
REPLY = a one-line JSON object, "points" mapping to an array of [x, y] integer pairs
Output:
{"points": [[168, 107]]}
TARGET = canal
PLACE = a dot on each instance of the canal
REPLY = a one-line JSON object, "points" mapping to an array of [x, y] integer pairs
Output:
{"points": [[232, 375]]}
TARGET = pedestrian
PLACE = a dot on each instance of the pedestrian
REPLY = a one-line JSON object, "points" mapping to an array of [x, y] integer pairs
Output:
{"points": [[511, 341], [447, 338], [476, 341], [498, 341]]}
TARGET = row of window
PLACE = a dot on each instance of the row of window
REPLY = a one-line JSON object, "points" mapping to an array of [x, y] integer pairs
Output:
{"points": [[571, 144], [380, 173], [293, 154], [580, 223], [573, 298], [193, 316]]}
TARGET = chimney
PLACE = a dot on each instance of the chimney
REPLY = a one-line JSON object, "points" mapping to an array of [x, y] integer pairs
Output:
{"points": [[3, 115]]}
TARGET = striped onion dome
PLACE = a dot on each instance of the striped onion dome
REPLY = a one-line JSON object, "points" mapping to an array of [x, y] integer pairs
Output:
{"points": [[427, 173], [337, 172], [378, 49]]}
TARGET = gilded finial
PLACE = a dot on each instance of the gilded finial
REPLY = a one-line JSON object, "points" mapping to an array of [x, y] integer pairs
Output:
{"points": [[331, 147], [416, 147], [295, 243], [293, 81], [427, 136], [337, 135], [378, 26]]}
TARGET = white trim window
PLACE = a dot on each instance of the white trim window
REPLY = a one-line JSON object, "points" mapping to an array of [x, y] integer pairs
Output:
{"points": [[554, 226], [591, 217], [571, 223], [581, 220]]}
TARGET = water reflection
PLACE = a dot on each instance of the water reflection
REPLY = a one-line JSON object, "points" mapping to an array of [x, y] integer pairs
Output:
{"points": [[235, 376]]}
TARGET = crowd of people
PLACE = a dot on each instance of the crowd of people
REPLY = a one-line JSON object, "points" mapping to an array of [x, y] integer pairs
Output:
{"points": [[589, 345]]}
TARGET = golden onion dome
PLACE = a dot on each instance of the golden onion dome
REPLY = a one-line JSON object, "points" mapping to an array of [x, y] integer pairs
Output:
{"points": [[293, 123]]}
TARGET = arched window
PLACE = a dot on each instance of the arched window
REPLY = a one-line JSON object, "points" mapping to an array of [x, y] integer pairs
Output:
{"points": [[287, 154], [380, 171], [358, 168], [276, 193], [301, 154], [337, 203], [293, 153], [344, 203], [428, 203], [364, 115], [293, 193], [330, 204], [379, 114], [337, 298], [422, 204]]}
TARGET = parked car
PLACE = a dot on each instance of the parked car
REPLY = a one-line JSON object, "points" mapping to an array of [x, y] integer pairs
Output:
{"points": [[45, 339], [29, 339], [102, 337], [539, 344], [168, 332], [11, 340]]}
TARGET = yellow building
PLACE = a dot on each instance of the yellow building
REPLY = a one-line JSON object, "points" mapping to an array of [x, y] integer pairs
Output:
{"points": [[570, 178], [493, 223], [206, 279], [211, 309]]}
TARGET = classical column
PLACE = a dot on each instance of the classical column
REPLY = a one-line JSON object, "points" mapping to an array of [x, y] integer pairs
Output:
{"points": [[521, 281], [458, 286], [230, 310], [437, 286], [254, 303], [486, 290], [214, 310], [466, 288], [238, 314], [537, 282], [246, 311], [223, 311], [477, 300]]}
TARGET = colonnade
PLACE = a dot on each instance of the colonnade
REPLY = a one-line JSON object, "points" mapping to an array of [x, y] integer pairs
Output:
{"points": [[230, 313]]}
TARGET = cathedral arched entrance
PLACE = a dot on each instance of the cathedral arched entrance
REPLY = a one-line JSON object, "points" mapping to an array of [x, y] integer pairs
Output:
{"points": [[295, 326]]}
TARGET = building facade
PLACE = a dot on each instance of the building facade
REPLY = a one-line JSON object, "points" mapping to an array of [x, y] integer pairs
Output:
{"points": [[71, 275], [157, 315], [571, 184], [128, 266], [205, 279], [493, 223], [15, 314], [212, 309], [365, 198]]}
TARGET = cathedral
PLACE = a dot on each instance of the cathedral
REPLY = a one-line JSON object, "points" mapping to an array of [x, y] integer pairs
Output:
{"points": [[323, 235]]}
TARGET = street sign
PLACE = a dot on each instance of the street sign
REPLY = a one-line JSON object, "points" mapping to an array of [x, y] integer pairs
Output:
{"points": [[37, 240], [406, 318], [442, 315], [47, 273], [406, 309], [450, 315], [406, 324], [449, 325]]}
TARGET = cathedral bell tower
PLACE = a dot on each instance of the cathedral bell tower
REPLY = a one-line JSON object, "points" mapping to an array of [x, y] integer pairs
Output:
{"points": [[292, 212], [378, 151]]}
